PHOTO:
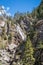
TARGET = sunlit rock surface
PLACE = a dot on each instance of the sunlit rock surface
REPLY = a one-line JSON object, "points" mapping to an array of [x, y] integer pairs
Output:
{"points": [[20, 31]]}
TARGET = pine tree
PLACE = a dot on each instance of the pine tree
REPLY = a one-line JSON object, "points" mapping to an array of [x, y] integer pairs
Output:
{"points": [[28, 58]]}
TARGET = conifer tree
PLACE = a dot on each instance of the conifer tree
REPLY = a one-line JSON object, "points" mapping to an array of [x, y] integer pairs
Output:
{"points": [[28, 58]]}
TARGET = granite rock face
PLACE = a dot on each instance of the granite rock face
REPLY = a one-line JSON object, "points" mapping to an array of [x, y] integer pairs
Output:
{"points": [[13, 36]]}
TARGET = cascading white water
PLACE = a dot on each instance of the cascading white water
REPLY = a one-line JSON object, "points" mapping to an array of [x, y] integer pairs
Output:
{"points": [[20, 31]]}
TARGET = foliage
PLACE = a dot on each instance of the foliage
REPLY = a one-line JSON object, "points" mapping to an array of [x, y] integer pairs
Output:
{"points": [[28, 58], [38, 12]]}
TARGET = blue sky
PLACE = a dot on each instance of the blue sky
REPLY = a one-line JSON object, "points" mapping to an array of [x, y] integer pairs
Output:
{"points": [[19, 5]]}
